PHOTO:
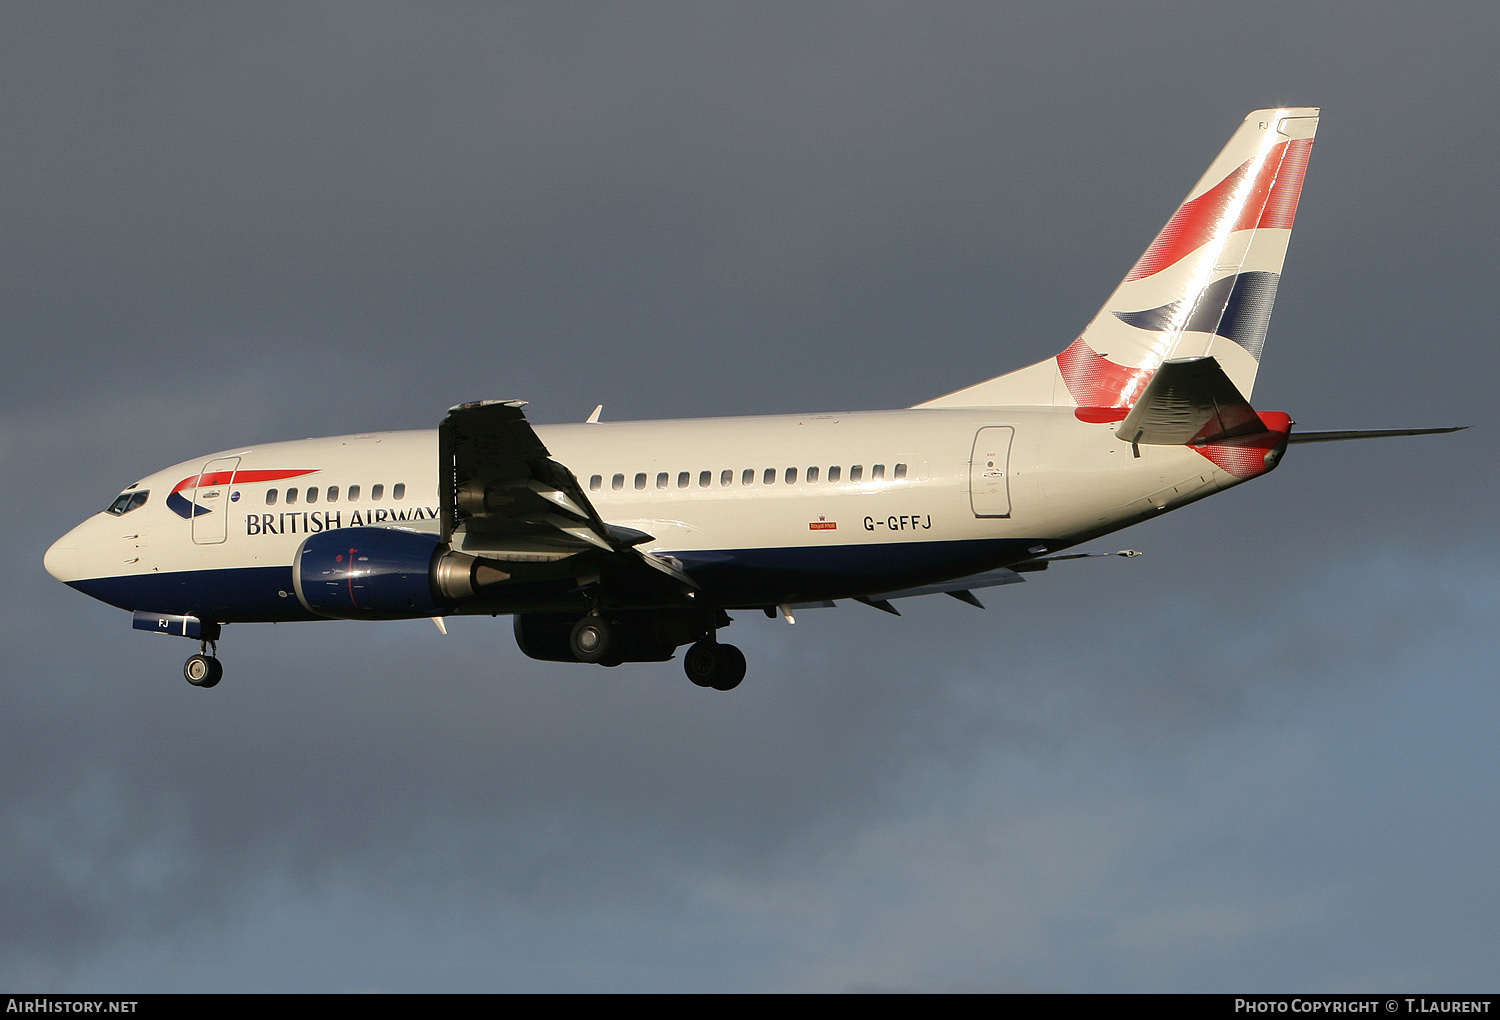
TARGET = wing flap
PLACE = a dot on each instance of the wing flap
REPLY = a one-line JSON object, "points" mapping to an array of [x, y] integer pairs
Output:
{"points": [[503, 483], [505, 498]]}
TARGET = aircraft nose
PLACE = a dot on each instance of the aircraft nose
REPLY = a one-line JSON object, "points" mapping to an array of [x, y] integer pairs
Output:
{"points": [[61, 560]]}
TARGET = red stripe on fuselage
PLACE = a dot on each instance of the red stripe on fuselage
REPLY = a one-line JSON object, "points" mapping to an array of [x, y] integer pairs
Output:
{"points": [[225, 477]]}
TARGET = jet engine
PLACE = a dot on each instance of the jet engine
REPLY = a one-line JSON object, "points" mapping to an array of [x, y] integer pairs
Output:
{"points": [[385, 574], [634, 636]]}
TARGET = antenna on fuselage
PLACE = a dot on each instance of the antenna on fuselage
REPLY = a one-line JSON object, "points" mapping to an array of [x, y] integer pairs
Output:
{"points": [[593, 419]]}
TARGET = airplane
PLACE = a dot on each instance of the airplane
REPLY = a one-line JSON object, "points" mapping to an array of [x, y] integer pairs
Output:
{"points": [[611, 542]]}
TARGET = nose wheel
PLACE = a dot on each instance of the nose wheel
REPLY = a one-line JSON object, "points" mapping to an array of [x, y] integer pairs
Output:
{"points": [[202, 670], [710, 664]]}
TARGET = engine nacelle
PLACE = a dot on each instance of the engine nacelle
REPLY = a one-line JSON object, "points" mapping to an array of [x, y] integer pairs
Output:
{"points": [[384, 574]]}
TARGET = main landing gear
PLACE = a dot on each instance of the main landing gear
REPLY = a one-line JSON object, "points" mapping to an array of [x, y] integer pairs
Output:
{"points": [[594, 638], [710, 664]]}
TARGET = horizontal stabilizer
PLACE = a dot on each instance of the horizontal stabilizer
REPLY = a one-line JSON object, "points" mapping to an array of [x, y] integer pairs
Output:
{"points": [[1333, 437], [1189, 400]]}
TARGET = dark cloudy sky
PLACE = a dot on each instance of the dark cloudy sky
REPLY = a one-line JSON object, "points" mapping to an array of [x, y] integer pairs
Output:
{"points": [[1261, 757]]}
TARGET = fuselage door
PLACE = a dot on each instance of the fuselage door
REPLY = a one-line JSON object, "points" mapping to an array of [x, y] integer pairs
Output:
{"points": [[210, 499], [989, 471]]}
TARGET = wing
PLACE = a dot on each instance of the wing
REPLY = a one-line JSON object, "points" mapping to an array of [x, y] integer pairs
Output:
{"points": [[505, 499]]}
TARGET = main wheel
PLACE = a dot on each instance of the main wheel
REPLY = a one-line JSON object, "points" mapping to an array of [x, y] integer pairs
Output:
{"points": [[731, 668], [202, 670], [710, 664], [590, 639], [699, 663]]}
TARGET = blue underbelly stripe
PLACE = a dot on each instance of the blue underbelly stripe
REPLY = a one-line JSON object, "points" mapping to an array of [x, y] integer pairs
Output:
{"points": [[232, 595], [729, 577]]}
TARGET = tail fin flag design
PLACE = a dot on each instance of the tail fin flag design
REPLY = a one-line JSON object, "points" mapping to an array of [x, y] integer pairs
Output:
{"points": [[1236, 307], [1203, 288]]}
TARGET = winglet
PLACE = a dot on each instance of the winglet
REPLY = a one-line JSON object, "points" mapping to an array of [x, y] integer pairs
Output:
{"points": [[593, 419]]}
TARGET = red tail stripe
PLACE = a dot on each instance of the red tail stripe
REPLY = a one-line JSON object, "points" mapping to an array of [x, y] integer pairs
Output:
{"points": [[1272, 202], [1096, 382], [1245, 457]]}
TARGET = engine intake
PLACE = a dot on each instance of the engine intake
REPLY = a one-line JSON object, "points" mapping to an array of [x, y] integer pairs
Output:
{"points": [[384, 574]]}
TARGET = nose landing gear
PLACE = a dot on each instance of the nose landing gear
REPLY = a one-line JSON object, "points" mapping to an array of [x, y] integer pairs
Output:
{"points": [[204, 669]]}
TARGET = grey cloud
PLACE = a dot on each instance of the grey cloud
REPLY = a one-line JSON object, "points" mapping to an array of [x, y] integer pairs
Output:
{"points": [[227, 229]]}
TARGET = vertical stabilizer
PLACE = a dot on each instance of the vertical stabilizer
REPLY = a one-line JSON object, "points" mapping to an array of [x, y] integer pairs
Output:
{"points": [[1204, 287]]}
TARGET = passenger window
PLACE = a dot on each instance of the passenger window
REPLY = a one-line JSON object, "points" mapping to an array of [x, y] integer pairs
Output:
{"points": [[354, 493], [333, 494], [376, 491], [770, 476], [291, 496], [398, 491], [877, 472], [856, 472], [748, 478], [705, 479], [726, 477], [682, 479], [271, 497], [640, 480], [791, 476], [834, 472], [312, 493], [617, 482], [900, 471], [662, 479], [812, 474], [595, 483]]}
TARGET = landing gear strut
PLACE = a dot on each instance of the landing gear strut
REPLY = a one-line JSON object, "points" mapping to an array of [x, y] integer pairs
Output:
{"points": [[204, 669], [710, 664]]}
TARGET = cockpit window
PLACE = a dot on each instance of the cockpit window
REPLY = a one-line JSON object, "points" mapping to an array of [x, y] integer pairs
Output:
{"points": [[128, 501]]}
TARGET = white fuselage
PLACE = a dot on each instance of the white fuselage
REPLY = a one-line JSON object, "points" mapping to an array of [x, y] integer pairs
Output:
{"points": [[767, 509]]}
